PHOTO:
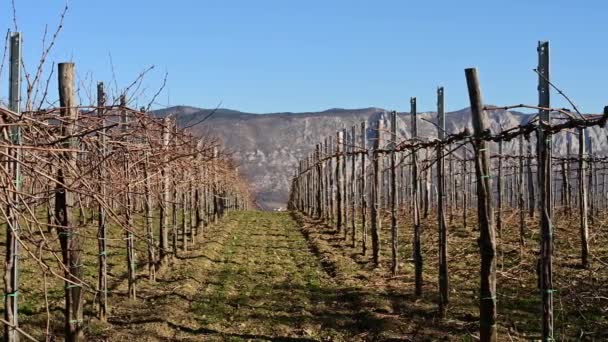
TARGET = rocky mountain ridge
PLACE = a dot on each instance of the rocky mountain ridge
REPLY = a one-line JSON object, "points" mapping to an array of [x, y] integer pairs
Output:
{"points": [[268, 146]]}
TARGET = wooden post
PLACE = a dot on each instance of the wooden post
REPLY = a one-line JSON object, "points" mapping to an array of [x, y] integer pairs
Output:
{"points": [[345, 199], [319, 182], [11, 270], [520, 193], [417, 244], [199, 192], [393, 194], [128, 204], [499, 191], [487, 239], [353, 202], [174, 194], [164, 203], [568, 172], [330, 173], [452, 180], [530, 181], [71, 241], [102, 241], [148, 219], [441, 205], [426, 188], [363, 189], [591, 192], [582, 199], [544, 178], [375, 215], [465, 192], [182, 207], [339, 181], [564, 186]]}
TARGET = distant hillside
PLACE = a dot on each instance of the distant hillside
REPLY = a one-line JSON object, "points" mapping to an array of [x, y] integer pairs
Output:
{"points": [[268, 146]]}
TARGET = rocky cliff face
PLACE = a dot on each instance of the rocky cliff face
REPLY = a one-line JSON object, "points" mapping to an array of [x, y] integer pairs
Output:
{"points": [[268, 146]]}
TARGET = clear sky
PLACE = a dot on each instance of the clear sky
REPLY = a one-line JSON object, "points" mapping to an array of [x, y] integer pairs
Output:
{"points": [[269, 56]]}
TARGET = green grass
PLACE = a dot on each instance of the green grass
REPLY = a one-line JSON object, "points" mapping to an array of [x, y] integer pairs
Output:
{"points": [[277, 276]]}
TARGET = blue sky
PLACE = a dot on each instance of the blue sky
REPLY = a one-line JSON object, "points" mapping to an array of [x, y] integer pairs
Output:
{"points": [[268, 56]]}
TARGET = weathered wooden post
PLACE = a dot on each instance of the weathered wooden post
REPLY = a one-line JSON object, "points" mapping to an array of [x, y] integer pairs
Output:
{"points": [[487, 238], [353, 198], [582, 199], [326, 173], [499, 190], [330, 173], [363, 189], [148, 219], [199, 192], [591, 187], [215, 186], [441, 205], [164, 203], [102, 241], [375, 215], [319, 182], [426, 185], [339, 142], [544, 178], [128, 202], [568, 172], [11, 271], [520, 193], [393, 194], [417, 244], [71, 242], [174, 193], [530, 181], [452, 181], [182, 208], [465, 193], [345, 199]]}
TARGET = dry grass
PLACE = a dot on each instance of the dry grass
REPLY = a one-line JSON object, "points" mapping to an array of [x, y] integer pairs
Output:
{"points": [[284, 277], [581, 300]]}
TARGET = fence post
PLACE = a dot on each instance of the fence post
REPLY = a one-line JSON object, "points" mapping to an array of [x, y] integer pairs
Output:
{"points": [[441, 205], [487, 239]]}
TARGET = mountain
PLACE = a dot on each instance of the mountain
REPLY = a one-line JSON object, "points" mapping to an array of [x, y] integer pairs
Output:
{"points": [[268, 146]]}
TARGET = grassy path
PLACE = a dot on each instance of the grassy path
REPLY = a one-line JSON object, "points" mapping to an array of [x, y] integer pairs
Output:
{"points": [[251, 278]]}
